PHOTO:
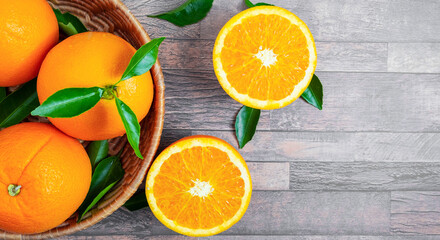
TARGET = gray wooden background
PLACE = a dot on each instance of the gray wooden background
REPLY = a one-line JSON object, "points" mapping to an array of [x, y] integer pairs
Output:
{"points": [[365, 167]]}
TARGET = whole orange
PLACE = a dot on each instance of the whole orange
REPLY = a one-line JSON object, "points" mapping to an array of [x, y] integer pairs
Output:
{"points": [[88, 60], [28, 30], [44, 176]]}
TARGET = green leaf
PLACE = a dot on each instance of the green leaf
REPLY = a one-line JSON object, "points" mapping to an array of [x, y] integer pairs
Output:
{"points": [[70, 24], [137, 201], [142, 61], [69, 102], [249, 4], [246, 124], [192, 11], [97, 151], [108, 172], [19, 104], [314, 94], [2, 93], [131, 125]]}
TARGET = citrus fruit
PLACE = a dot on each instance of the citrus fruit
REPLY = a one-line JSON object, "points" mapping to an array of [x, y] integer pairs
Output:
{"points": [[94, 59], [265, 57], [44, 176], [199, 186], [28, 30]]}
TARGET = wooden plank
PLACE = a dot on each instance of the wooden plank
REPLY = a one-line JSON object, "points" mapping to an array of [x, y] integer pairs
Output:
{"points": [[187, 54], [252, 237], [337, 146], [414, 57], [415, 212], [352, 102], [328, 176], [281, 213], [170, 136], [269, 176], [333, 56], [195, 100], [315, 237], [351, 57], [220, 13], [367, 102], [127, 236], [157, 27], [125, 222], [348, 21], [285, 213], [260, 149], [151, 7]]}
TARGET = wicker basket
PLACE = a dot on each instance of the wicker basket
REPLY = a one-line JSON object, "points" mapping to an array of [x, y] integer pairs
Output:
{"points": [[112, 16]]}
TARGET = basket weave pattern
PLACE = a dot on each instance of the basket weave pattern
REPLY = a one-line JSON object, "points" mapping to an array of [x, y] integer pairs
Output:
{"points": [[112, 16]]}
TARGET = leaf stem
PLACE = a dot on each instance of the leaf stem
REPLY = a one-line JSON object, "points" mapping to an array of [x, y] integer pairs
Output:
{"points": [[14, 190], [109, 92]]}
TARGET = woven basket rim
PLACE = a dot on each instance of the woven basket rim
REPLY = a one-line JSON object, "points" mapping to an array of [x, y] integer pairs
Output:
{"points": [[115, 203]]}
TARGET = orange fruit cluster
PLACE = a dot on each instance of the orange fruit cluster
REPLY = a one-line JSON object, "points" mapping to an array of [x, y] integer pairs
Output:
{"points": [[264, 58], [45, 174]]}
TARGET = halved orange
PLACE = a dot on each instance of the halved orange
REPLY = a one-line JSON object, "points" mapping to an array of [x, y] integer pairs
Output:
{"points": [[265, 57], [199, 186]]}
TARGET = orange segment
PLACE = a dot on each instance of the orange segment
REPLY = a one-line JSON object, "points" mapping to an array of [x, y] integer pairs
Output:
{"points": [[265, 57], [199, 186]]}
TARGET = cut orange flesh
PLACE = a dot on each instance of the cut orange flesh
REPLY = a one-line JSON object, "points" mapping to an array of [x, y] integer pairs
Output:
{"points": [[199, 186], [265, 57]]}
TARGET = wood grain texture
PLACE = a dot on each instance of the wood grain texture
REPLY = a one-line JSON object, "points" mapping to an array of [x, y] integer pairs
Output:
{"points": [[259, 149], [367, 102], [195, 100], [281, 213], [287, 213], [333, 56], [170, 136], [157, 27], [351, 57], [131, 237], [415, 212], [152, 7], [252, 237], [269, 176], [337, 146], [315, 237], [414, 57], [328, 176], [124, 222], [348, 21]]}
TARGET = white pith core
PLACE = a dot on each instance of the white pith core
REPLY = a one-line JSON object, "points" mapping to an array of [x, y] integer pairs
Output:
{"points": [[267, 57], [201, 189]]}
